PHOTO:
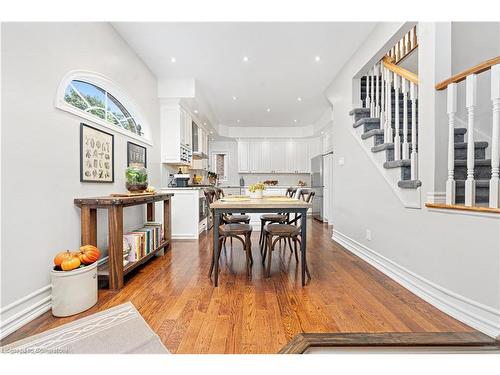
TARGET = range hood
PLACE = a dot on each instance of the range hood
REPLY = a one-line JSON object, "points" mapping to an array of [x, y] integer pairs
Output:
{"points": [[199, 155]]}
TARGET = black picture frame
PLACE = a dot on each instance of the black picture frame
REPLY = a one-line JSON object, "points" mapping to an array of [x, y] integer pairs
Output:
{"points": [[110, 153], [132, 149]]}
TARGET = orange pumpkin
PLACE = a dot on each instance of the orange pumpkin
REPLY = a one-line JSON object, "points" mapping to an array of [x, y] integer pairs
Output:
{"points": [[89, 254], [61, 256], [70, 263]]}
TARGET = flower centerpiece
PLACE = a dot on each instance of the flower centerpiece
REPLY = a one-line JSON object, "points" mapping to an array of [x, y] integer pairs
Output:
{"points": [[137, 179], [256, 190]]}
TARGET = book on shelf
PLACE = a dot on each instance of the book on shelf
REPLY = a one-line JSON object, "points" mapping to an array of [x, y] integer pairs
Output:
{"points": [[143, 241]]}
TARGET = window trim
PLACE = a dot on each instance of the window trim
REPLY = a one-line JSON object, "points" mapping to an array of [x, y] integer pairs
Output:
{"points": [[107, 85], [226, 164]]}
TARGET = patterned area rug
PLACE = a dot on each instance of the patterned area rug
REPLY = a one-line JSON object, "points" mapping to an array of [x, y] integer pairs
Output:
{"points": [[118, 330]]}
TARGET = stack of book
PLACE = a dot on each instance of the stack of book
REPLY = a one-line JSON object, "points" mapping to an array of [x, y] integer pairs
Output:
{"points": [[144, 240]]}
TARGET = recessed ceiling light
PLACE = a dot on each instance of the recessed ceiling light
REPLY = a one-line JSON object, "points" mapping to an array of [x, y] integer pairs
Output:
{"points": [[195, 111], [245, 58], [172, 59], [299, 99], [317, 58], [294, 120], [268, 110], [211, 132], [204, 123], [234, 98], [238, 121]]}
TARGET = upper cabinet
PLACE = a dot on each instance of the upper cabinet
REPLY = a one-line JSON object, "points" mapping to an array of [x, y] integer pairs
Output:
{"points": [[273, 156], [200, 147], [175, 128]]}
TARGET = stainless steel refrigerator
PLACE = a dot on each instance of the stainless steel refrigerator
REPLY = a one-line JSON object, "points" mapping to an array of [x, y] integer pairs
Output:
{"points": [[317, 184]]}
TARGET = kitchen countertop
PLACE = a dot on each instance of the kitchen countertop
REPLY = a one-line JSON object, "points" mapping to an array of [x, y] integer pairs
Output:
{"points": [[191, 187]]}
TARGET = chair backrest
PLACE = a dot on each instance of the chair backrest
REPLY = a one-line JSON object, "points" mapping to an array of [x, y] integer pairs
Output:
{"points": [[210, 194], [219, 193], [306, 195], [290, 192]]}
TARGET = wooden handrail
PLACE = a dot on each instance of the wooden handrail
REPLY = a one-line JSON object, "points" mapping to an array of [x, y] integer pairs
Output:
{"points": [[479, 68], [388, 64]]}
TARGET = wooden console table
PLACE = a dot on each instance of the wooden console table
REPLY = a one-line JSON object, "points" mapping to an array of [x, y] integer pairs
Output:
{"points": [[88, 206]]}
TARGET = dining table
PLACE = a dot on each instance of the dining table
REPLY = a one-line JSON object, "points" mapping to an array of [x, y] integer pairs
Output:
{"points": [[266, 204]]}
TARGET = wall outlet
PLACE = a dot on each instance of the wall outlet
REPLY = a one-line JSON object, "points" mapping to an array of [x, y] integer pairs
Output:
{"points": [[368, 234], [341, 161]]}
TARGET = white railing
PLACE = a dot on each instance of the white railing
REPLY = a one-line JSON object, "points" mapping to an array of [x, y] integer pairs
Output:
{"points": [[470, 77], [404, 46], [382, 80]]}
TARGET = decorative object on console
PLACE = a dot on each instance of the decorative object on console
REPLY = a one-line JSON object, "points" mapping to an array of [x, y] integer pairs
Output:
{"points": [[301, 183], [256, 190], [96, 155], [137, 179], [136, 155], [271, 182]]}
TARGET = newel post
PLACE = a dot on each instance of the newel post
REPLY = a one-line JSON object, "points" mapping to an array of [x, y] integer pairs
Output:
{"points": [[452, 110], [495, 134]]}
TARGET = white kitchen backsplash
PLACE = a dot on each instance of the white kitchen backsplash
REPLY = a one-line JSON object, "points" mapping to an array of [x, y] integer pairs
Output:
{"points": [[285, 179]]}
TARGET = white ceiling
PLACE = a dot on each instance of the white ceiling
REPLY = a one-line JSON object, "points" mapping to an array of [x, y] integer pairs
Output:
{"points": [[281, 64]]}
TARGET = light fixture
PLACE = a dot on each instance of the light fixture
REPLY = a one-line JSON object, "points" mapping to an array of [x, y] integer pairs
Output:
{"points": [[238, 121], [195, 111], [204, 123], [299, 99], [317, 58], [211, 132], [234, 98], [245, 58], [295, 120], [172, 59], [268, 110]]}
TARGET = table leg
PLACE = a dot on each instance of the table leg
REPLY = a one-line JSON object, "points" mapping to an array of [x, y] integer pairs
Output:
{"points": [[216, 246], [89, 225], [115, 250], [150, 211], [303, 234], [167, 227]]}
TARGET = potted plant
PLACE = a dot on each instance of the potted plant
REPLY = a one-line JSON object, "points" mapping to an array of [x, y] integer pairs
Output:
{"points": [[137, 179], [256, 190]]}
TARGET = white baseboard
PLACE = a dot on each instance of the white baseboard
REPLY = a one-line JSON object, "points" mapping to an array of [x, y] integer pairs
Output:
{"points": [[479, 316], [184, 236], [438, 197], [24, 310]]}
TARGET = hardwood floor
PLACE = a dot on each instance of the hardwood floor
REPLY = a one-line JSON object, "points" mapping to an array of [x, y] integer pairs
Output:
{"points": [[178, 301]]}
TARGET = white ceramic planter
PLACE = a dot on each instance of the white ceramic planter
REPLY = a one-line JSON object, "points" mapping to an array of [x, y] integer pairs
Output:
{"points": [[74, 291], [257, 194]]}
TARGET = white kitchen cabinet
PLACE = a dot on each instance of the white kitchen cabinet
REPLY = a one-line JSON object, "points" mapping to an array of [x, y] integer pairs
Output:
{"points": [[265, 159], [255, 156], [173, 129], [278, 161], [244, 157], [297, 156]]}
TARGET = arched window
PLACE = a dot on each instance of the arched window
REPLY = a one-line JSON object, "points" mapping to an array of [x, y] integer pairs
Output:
{"points": [[94, 97]]}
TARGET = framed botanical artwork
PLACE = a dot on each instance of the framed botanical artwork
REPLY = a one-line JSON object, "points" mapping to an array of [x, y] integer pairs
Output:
{"points": [[136, 155], [97, 155]]}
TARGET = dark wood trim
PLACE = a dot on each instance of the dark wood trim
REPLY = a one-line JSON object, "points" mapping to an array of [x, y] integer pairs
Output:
{"points": [[304, 341], [106, 202]]}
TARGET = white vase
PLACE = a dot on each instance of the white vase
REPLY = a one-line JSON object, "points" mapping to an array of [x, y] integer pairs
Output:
{"points": [[257, 194]]}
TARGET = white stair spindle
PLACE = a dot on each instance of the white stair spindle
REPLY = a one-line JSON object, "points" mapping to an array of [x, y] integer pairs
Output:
{"points": [[372, 96], [377, 92], [495, 134], [471, 103], [388, 115], [451, 109], [406, 146], [382, 97], [397, 139], [367, 91], [414, 155]]}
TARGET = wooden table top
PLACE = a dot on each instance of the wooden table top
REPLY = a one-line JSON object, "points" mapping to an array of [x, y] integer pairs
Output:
{"points": [[102, 202], [265, 202]]}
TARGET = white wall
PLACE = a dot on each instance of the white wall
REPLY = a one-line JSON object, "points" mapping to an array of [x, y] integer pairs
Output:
{"points": [[450, 258], [40, 149]]}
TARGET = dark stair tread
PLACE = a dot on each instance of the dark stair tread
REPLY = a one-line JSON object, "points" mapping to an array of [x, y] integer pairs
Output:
{"points": [[397, 163], [366, 120], [477, 163], [383, 147], [357, 111], [479, 183], [477, 144], [409, 184]]}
